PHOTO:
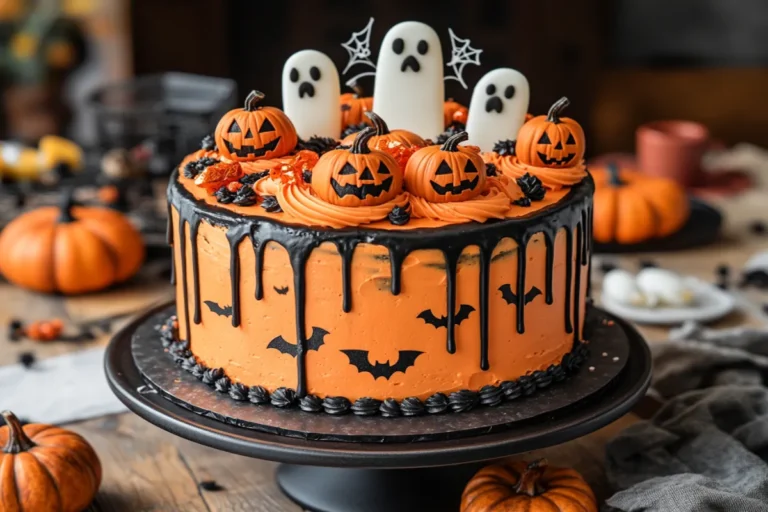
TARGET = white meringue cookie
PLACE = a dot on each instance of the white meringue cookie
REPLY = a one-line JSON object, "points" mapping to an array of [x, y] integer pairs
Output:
{"points": [[664, 287], [620, 286]]}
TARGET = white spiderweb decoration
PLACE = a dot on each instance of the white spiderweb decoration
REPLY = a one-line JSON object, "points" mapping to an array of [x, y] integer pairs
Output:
{"points": [[462, 55], [359, 49]]}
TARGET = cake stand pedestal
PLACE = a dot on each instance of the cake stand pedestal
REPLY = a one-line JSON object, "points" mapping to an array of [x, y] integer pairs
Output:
{"points": [[341, 473]]}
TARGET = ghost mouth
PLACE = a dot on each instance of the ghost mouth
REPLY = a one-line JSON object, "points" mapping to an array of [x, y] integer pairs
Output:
{"points": [[555, 161], [450, 188], [494, 104], [412, 63], [361, 191], [245, 151], [306, 88]]}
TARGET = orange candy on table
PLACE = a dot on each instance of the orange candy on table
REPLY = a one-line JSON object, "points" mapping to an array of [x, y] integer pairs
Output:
{"points": [[44, 330]]}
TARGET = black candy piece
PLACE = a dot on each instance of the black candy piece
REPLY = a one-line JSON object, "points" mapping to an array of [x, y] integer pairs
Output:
{"points": [[210, 485], [27, 359]]}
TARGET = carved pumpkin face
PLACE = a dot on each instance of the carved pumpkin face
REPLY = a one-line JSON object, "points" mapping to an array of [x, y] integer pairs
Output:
{"points": [[354, 106], [384, 135], [254, 132], [447, 173], [551, 140], [357, 177]]}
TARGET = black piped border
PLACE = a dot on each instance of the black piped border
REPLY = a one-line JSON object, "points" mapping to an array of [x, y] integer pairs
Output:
{"points": [[458, 401]]}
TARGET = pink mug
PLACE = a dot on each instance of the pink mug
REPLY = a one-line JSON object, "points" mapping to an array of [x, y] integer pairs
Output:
{"points": [[672, 149]]}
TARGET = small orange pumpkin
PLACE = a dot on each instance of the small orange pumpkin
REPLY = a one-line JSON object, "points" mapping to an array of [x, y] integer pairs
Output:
{"points": [[384, 135], [447, 173], [71, 249], [359, 176], [551, 140], [632, 207], [354, 105], [523, 487], [255, 132], [46, 468], [454, 112]]}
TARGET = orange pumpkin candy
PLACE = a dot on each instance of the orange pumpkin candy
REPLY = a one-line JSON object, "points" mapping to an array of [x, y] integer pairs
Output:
{"points": [[454, 112], [45, 468], [631, 207], [384, 135], [70, 250], [447, 173], [255, 132], [523, 487], [354, 106], [551, 140], [359, 176]]}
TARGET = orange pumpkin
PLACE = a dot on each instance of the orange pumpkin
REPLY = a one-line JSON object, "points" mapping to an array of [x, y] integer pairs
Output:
{"points": [[384, 135], [354, 106], [45, 468], [454, 112], [447, 173], [71, 249], [359, 176], [551, 140], [522, 487], [255, 132], [631, 207]]}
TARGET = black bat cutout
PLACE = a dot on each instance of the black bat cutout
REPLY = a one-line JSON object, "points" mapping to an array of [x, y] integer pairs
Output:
{"points": [[359, 359], [219, 310], [282, 290], [429, 317], [511, 297], [313, 343]]}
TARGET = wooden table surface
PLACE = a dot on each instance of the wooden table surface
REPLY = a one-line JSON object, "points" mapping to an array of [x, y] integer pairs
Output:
{"points": [[148, 469]]}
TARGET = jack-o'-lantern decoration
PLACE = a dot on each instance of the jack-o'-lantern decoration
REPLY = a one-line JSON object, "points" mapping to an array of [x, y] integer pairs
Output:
{"points": [[447, 173], [631, 207], [551, 140], [359, 176], [255, 132], [354, 106], [384, 135], [454, 112]]}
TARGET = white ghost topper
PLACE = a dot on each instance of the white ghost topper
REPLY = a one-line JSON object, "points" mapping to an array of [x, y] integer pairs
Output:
{"points": [[311, 94], [409, 90], [498, 107]]}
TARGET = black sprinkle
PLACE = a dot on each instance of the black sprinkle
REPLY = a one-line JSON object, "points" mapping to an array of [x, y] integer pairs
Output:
{"points": [[412, 406], [437, 403], [253, 177], [224, 196], [758, 227], [208, 143], [27, 359], [366, 406], [723, 270], [463, 400], [400, 216], [490, 170], [531, 186], [246, 196], [15, 330], [336, 405], [311, 403], [258, 395], [238, 392], [222, 385], [283, 397], [491, 396], [307, 176], [210, 485], [504, 147], [390, 408], [271, 205], [319, 145], [525, 202]]}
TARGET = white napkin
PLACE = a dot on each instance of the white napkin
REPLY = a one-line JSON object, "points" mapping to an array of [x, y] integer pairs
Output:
{"points": [[62, 389]]}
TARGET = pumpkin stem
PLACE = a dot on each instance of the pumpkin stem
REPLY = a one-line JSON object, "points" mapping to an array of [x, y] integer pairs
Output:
{"points": [[17, 440], [360, 146], [613, 175], [67, 203], [252, 100], [529, 480], [357, 88], [378, 123], [452, 143], [553, 116]]}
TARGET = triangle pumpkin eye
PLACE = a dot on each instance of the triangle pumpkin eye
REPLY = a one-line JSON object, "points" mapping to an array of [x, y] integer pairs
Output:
{"points": [[234, 127], [366, 174], [470, 168], [249, 134], [444, 168], [347, 169], [570, 140], [266, 126], [382, 169], [545, 139]]}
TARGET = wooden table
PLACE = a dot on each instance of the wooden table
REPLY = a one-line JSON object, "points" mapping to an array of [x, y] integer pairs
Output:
{"points": [[146, 468]]}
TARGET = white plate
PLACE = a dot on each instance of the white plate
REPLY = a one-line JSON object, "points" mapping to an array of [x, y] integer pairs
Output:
{"points": [[710, 303]]}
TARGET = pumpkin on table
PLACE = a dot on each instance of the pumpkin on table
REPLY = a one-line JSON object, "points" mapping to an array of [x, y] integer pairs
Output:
{"points": [[70, 249], [45, 468], [255, 132], [631, 207], [447, 173], [358, 176], [523, 487], [383, 135], [551, 140], [354, 105]]}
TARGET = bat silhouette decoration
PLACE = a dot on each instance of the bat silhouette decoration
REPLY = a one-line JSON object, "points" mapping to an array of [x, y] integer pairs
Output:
{"points": [[359, 359], [511, 297], [314, 342], [281, 290], [429, 317], [219, 310]]}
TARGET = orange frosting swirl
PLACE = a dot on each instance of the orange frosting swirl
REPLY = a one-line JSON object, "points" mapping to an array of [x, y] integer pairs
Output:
{"points": [[300, 203], [552, 178], [493, 203]]}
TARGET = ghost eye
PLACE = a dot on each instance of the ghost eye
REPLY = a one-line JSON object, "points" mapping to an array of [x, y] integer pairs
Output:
{"points": [[314, 72], [422, 47], [234, 127], [570, 140], [294, 75], [398, 45], [509, 91], [491, 89], [545, 139]]}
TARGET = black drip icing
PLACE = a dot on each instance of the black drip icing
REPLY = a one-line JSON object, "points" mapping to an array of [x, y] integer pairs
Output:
{"points": [[571, 214]]}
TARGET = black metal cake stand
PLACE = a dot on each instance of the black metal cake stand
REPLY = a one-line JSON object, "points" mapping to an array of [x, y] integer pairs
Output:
{"points": [[331, 464]]}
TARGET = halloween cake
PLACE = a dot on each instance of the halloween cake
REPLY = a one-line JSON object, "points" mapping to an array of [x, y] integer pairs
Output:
{"points": [[382, 273]]}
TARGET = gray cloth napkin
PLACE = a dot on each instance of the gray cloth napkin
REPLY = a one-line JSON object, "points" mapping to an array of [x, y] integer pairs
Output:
{"points": [[707, 448]]}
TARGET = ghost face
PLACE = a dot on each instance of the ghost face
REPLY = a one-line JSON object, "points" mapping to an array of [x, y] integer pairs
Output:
{"points": [[498, 107], [311, 94]]}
